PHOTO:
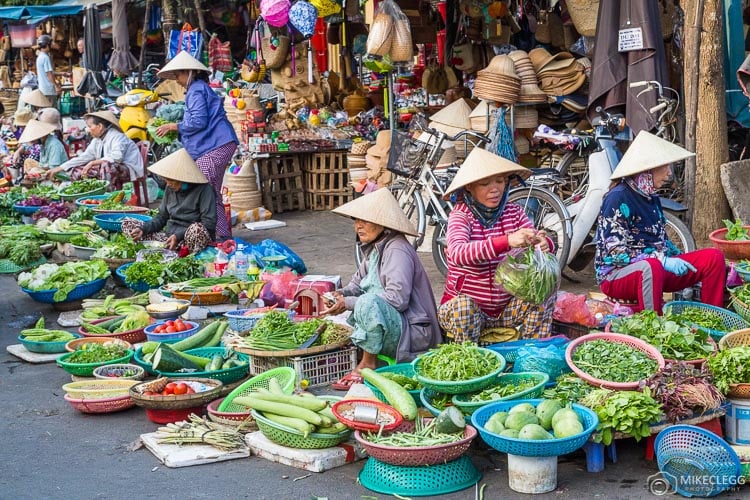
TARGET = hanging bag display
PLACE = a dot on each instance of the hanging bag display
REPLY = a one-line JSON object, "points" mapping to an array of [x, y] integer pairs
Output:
{"points": [[188, 39], [274, 47], [219, 54]]}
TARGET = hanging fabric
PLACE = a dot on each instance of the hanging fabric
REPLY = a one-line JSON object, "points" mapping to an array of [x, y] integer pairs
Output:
{"points": [[501, 138]]}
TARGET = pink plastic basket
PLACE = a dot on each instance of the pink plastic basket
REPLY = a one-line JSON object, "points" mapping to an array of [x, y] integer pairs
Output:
{"points": [[633, 342], [418, 455], [697, 363]]}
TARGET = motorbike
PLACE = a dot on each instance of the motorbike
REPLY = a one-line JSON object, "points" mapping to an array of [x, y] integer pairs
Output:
{"points": [[135, 114]]}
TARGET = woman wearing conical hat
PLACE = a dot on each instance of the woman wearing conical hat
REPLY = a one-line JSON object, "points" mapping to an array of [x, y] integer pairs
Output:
{"points": [[482, 229], [635, 261], [43, 133], [188, 210], [390, 297]]}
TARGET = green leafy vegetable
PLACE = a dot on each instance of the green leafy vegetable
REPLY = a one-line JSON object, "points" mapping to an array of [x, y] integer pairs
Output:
{"points": [[96, 353], [83, 186], [613, 361], [570, 388], [736, 231], [155, 271], [502, 391], [629, 412], [455, 362], [63, 278], [531, 275], [730, 366]]}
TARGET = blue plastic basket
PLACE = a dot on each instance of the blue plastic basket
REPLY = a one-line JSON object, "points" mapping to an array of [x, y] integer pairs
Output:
{"points": [[139, 287], [403, 369], [528, 448], [732, 321], [92, 197], [26, 210], [696, 462], [113, 222], [743, 270], [46, 347], [240, 321], [540, 380], [426, 396], [162, 337], [83, 291], [509, 350]]}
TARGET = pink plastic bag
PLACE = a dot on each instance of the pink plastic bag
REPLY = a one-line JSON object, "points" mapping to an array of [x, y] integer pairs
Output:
{"points": [[277, 287], [571, 308]]}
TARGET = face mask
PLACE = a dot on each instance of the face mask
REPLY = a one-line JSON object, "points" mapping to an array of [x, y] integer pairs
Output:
{"points": [[184, 186]]}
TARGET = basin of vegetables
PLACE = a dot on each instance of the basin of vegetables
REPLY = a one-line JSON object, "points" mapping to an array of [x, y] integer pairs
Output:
{"points": [[458, 368], [128, 327], [276, 332], [20, 247], [156, 270], [43, 340], [82, 188], [733, 240], [741, 300], [508, 386], [82, 361], [715, 321], [31, 204], [115, 203], [50, 283], [63, 230]]}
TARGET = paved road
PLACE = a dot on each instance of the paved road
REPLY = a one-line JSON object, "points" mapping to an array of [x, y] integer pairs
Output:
{"points": [[51, 451]]}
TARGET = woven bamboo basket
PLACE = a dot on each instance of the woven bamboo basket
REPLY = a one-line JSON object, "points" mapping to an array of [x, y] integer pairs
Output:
{"points": [[583, 13], [174, 401]]}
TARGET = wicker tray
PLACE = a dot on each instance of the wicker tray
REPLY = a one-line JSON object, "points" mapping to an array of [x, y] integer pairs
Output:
{"points": [[177, 402], [735, 339], [109, 405], [293, 352], [99, 389], [418, 455]]}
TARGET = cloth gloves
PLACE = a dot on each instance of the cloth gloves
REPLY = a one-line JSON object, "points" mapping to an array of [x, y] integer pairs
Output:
{"points": [[677, 266]]}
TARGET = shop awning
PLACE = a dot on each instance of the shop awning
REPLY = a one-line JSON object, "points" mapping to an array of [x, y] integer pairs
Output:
{"points": [[12, 13], [33, 14]]}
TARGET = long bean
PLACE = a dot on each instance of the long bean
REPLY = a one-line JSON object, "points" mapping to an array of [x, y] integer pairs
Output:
{"points": [[422, 436]]}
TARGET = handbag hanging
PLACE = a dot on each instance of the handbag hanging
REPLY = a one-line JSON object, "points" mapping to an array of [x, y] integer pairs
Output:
{"points": [[188, 39]]}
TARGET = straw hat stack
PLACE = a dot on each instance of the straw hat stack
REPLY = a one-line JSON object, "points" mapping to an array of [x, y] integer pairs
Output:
{"points": [[376, 158], [449, 157], [482, 119], [522, 144], [356, 161], [524, 117], [498, 81], [243, 187], [530, 91], [453, 119], [558, 74]]}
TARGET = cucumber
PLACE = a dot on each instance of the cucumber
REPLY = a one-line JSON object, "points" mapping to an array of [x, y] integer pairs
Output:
{"points": [[397, 396], [274, 386], [197, 340], [295, 423], [215, 341], [116, 325], [313, 404], [168, 360], [450, 421], [107, 325], [215, 363]]}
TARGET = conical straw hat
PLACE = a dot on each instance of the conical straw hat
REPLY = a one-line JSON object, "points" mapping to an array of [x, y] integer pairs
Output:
{"points": [[481, 164], [36, 98], [179, 166], [35, 130], [182, 61], [107, 116], [648, 152], [378, 207], [448, 157], [456, 114]]}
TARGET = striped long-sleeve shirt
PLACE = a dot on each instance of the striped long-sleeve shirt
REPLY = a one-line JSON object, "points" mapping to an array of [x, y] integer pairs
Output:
{"points": [[473, 252]]}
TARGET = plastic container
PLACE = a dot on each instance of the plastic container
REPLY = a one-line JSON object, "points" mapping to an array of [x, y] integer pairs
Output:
{"points": [[241, 264], [532, 474], [408, 481], [221, 261], [737, 421]]}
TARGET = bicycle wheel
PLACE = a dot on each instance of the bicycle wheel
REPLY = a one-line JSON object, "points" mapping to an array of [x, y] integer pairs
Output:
{"points": [[548, 213], [439, 244], [678, 233], [574, 168]]}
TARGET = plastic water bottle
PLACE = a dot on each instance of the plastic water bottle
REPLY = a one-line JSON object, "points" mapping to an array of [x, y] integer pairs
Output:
{"points": [[240, 263], [220, 263]]}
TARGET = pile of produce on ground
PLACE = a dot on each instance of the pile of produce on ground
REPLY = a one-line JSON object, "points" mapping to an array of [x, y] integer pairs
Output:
{"points": [[276, 332], [21, 244], [457, 362], [524, 421], [613, 361], [63, 278], [197, 430], [126, 323], [94, 309], [156, 270], [41, 334]]}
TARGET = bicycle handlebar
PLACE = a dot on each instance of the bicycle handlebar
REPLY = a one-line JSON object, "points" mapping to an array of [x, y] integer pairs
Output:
{"points": [[658, 107]]}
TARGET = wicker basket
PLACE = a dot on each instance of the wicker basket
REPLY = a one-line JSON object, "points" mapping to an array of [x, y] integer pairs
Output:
{"points": [[458, 387], [341, 409], [87, 369], [99, 389], [177, 401], [739, 391], [284, 375], [633, 342], [732, 250], [742, 308], [73, 345], [418, 455], [739, 338], [243, 421], [583, 13], [464, 403], [110, 405]]}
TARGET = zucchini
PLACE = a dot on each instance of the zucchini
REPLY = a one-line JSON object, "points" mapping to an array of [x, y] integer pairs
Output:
{"points": [[333, 429], [215, 363], [107, 325], [450, 421], [114, 327], [274, 386], [197, 340], [313, 404], [168, 360], [397, 396], [282, 409], [215, 341], [149, 347], [295, 423]]}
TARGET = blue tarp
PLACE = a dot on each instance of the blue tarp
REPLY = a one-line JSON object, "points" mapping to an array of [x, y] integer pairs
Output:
{"points": [[38, 12], [12, 13]]}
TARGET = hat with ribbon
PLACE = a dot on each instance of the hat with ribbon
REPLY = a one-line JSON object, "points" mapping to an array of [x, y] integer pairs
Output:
{"points": [[179, 166], [648, 152], [378, 207]]}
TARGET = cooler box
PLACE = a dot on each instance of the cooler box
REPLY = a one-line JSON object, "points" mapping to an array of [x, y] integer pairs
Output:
{"points": [[309, 290]]}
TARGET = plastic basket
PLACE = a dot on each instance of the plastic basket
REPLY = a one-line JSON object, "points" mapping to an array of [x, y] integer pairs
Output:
{"points": [[82, 291], [633, 342], [696, 462], [317, 369], [405, 369], [87, 194], [731, 320], [243, 419], [735, 339], [341, 408], [140, 286], [509, 350], [110, 405], [739, 391], [285, 376], [417, 455], [132, 336], [62, 237], [529, 448], [113, 222], [461, 386], [7, 266], [732, 250], [161, 337], [434, 480], [426, 396], [464, 403], [79, 200], [170, 416], [243, 320], [227, 376], [741, 307], [98, 389], [117, 372], [45, 347], [743, 270], [87, 369], [25, 209]]}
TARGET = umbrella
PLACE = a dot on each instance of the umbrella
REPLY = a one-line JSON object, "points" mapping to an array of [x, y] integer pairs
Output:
{"points": [[122, 61], [612, 71], [92, 83]]}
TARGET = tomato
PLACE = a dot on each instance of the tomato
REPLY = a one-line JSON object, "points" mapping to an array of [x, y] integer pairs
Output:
{"points": [[149, 393], [169, 388], [159, 329], [169, 323], [180, 388], [171, 329], [190, 390]]}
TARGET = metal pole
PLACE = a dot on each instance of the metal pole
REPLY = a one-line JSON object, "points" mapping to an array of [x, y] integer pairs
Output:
{"points": [[143, 44]]}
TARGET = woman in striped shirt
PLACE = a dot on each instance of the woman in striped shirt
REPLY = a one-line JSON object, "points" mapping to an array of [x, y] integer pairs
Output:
{"points": [[482, 228]]}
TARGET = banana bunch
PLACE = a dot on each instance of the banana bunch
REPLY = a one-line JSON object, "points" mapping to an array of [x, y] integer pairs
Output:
{"points": [[96, 309], [239, 286]]}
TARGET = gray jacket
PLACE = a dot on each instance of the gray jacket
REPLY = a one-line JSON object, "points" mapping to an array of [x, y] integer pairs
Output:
{"points": [[407, 288], [179, 209]]}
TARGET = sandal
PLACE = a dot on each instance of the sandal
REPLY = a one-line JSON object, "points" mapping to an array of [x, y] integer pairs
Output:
{"points": [[346, 382]]}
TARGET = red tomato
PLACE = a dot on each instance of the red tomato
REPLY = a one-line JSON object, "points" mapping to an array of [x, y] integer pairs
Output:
{"points": [[169, 323], [159, 329], [190, 390], [171, 329], [169, 388], [149, 393], [180, 388]]}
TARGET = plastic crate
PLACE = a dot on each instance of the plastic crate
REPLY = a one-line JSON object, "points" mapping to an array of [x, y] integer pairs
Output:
{"points": [[317, 369], [570, 330]]}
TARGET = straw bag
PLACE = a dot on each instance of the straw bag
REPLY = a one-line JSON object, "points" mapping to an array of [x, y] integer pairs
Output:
{"points": [[401, 48], [435, 79], [252, 99], [381, 35], [583, 13], [274, 49]]}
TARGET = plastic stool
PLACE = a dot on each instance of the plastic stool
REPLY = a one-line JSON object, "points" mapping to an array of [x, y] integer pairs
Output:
{"points": [[595, 455], [713, 425]]}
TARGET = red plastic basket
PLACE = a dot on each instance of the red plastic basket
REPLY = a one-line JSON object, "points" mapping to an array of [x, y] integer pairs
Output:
{"points": [[229, 417], [132, 336], [732, 250], [344, 407], [108, 405], [418, 455], [633, 342], [172, 416]]}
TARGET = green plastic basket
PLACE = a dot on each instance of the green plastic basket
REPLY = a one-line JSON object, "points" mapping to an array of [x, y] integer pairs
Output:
{"points": [[87, 369], [402, 369], [732, 321], [462, 401], [426, 396], [292, 438], [226, 376], [460, 386], [74, 197], [62, 237], [406, 481], [7, 266], [284, 375]]}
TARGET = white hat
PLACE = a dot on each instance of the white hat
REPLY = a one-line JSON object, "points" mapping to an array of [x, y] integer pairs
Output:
{"points": [[179, 166], [182, 61], [378, 207], [453, 118], [36, 98], [51, 116], [35, 130], [646, 153], [481, 164]]}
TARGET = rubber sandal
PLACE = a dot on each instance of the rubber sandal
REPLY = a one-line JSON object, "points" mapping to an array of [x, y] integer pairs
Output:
{"points": [[345, 382]]}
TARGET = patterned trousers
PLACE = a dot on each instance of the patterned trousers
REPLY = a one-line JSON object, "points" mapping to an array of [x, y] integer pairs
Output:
{"points": [[462, 318], [213, 164]]}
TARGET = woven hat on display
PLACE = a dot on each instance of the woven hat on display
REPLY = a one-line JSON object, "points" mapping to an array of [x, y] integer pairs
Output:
{"points": [[182, 61], [498, 81], [646, 153], [530, 91], [378, 207], [564, 84], [482, 118], [50, 116], [360, 148], [107, 116], [432, 140], [179, 166], [522, 144], [543, 60], [481, 164], [21, 117], [524, 117], [382, 144], [449, 157], [453, 118], [36, 98], [35, 130], [354, 161]]}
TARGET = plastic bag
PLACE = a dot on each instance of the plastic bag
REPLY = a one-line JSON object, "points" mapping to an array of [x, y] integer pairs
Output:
{"points": [[268, 248], [277, 286], [529, 274], [549, 360], [571, 308]]}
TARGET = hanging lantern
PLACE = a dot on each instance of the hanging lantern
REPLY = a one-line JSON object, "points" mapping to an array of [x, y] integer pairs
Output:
{"points": [[302, 16], [275, 12]]}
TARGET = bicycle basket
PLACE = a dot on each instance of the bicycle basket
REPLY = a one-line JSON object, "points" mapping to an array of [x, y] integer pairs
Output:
{"points": [[407, 154]]}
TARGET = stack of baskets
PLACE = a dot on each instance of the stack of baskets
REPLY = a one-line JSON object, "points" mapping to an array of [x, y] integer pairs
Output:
{"points": [[357, 163], [244, 193], [739, 338]]}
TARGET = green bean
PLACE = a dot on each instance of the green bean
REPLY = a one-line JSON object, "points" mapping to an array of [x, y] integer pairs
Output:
{"points": [[454, 362]]}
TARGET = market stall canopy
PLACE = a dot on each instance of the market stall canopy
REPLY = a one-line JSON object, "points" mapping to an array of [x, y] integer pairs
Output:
{"points": [[33, 14]]}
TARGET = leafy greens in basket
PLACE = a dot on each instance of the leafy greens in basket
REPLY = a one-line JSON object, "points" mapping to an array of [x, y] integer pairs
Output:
{"points": [[63, 278]]}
